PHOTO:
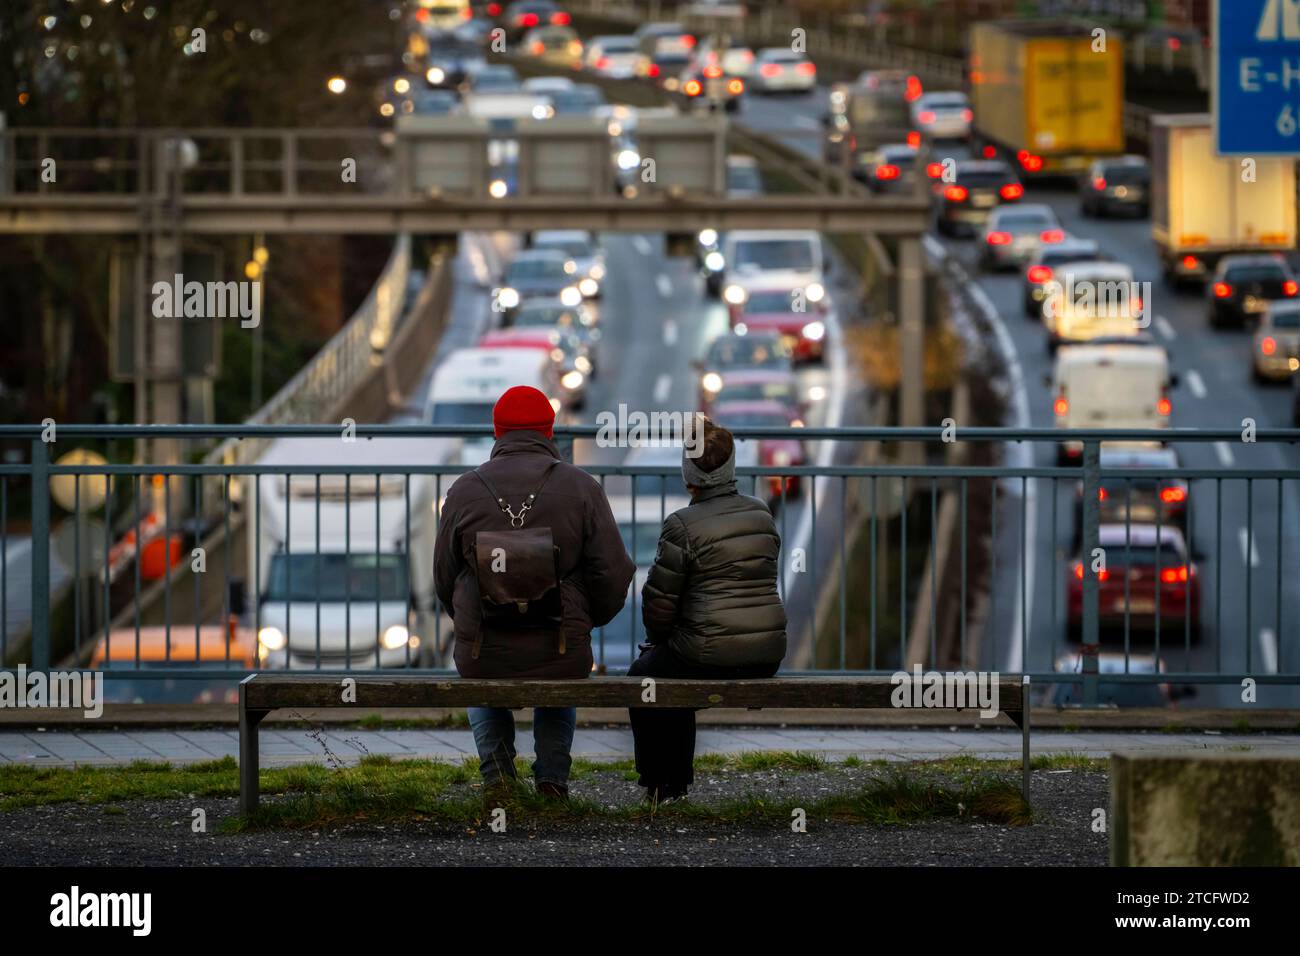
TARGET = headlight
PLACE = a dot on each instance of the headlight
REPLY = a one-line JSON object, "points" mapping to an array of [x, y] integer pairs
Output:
{"points": [[570, 296], [272, 638], [541, 111], [814, 331], [597, 272], [781, 458], [797, 423], [557, 354], [395, 637], [740, 328], [508, 298], [555, 404], [435, 75], [708, 237], [734, 294], [814, 292], [588, 287], [497, 189], [572, 380], [583, 364], [714, 262], [629, 159], [817, 393], [711, 382]]}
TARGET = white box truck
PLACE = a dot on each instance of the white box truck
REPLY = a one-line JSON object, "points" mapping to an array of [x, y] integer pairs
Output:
{"points": [[1205, 206], [344, 579]]}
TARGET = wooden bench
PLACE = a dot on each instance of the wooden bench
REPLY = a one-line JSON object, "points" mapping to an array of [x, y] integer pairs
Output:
{"points": [[260, 694]]}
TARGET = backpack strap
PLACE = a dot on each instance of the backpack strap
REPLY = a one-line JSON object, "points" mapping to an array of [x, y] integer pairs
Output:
{"points": [[517, 518]]}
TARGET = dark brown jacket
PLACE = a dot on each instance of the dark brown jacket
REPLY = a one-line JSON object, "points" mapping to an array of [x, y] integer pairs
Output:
{"points": [[593, 565]]}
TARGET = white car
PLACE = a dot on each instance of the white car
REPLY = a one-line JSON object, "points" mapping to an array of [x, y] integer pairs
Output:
{"points": [[548, 84], [1014, 234], [612, 56], [772, 259], [780, 70], [1092, 300], [944, 115]]}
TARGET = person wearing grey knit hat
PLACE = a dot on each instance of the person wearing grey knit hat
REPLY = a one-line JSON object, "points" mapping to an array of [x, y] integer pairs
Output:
{"points": [[710, 606]]}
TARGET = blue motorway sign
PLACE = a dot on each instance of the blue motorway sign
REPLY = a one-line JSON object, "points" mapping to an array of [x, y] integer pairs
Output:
{"points": [[1255, 95]]}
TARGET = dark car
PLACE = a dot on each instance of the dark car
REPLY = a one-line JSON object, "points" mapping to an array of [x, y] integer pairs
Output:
{"points": [[1041, 270], [1137, 500], [978, 187], [491, 78], [580, 100], [707, 88], [524, 15], [889, 169], [534, 273], [1242, 287], [1116, 185]]}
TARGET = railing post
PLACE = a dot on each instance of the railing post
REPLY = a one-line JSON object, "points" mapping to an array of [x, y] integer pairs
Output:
{"points": [[40, 555], [1090, 637]]}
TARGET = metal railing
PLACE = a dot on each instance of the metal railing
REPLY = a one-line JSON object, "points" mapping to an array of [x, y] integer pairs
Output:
{"points": [[1040, 576]]}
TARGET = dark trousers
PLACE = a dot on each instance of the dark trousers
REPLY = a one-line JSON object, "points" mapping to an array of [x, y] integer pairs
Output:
{"points": [[665, 736]]}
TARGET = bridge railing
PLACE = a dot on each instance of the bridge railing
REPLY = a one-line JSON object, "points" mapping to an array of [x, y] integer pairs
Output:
{"points": [[1113, 584]]}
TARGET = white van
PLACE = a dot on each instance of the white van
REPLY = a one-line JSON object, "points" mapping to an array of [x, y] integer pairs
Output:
{"points": [[1091, 300], [468, 383], [1110, 386], [772, 259]]}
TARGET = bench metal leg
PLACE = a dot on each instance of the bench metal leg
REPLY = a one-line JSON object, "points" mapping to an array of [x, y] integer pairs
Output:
{"points": [[1024, 739], [248, 786]]}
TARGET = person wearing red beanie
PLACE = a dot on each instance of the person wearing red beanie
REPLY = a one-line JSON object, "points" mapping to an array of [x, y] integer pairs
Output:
{"points": [[523, 408]]}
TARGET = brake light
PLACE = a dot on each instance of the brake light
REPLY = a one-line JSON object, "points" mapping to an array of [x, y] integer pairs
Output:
{"points": [[967, 115], [925, 116], [692, 88], [770, 69], [1172, 496], [913, 89], [735, 86], [1101, 494], [1174, 575], [1012, 191], [538, 48], [1040, 273], [1164, 407], [602, 63], [934, 170], [956, 193], [1029, 161], [494, 9], [688, 41], [560, 19], [1222, 290], [1061, 406], [1050, 236], [887, 171], [422, 15], [999, 238], [913, 139], [1099, 184], [990, 152], [713, 72], [806, 68], [1189, 262], [1268, 345], [652, 69], [1174, 43], [528, 20], [1290, 288], [1102, 575], [466, 13]]}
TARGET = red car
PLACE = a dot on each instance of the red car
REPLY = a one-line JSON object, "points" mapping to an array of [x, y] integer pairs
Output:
{"points": [[1143, 572], [802, 330], [772, 452], [757, 385]]}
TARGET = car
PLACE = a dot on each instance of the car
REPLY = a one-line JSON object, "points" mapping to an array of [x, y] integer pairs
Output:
{"points": [[901, 82], [707, 88], [525, 15], [1113, 185], [735, 58], [772, 452], [548, 85], [1149, 582], [1041, 269], [581, 248], [758, 385], [445, 71], [1087, 301], [1243, 286], [1137, 500], [781, 70], [785, 258], [888, 170], [978, 187], [557, 45], [612, 56], [550, 312], [1117, 693], [1275, 352], [664, 69], [537, 272], [943, 115], [563, 346], [491, 78], [664, 50], [1014, 234], [582, 99], [744, 181], [800, 324], [732, 351]]}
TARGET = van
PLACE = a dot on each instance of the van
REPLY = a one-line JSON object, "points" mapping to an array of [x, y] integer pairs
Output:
{"points": [[773, 259], [1110, 386], [467, 384]]}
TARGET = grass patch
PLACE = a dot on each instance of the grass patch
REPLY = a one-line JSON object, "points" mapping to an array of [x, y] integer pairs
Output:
{"points": [[1241, 726]]}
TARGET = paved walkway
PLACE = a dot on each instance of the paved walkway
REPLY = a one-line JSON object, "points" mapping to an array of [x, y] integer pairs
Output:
{"points": [[282, 746]]}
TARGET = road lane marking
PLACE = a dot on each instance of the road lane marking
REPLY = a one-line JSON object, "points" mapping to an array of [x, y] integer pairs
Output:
{"points": [[1244, 538], [1165, 328], [664, 285], [663, 384], [1196, 383], [642, 245], [1224, 452], [1268, 648], [670, 332]]}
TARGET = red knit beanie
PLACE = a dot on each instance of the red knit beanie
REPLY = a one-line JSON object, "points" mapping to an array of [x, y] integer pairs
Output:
{"points": [[523, 408]]}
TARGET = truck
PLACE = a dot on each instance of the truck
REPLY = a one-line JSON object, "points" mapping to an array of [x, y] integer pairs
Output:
{"points": [[343, 564], [1204, 207], [1045, 96]]}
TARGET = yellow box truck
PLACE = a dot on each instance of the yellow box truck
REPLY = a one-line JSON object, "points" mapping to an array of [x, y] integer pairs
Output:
{"points": [[1204, 206], [1050, 96]]}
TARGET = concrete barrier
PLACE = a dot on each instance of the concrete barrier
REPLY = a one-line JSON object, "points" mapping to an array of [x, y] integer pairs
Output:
{"points": [[1225, 809]]}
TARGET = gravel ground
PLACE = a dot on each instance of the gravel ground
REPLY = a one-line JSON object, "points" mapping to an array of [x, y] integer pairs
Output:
{"points": [[158, 832]]}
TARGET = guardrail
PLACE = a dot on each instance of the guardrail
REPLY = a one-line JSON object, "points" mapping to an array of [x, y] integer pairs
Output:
{"points": [[1071, 550]]}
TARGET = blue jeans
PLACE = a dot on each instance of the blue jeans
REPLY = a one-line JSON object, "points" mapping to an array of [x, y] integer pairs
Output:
{"points": [[494, 736]]}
